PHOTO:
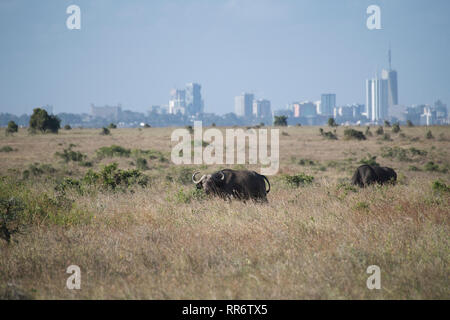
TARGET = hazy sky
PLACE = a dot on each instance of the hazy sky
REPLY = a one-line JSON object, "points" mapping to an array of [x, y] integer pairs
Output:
{"points": [[133, 52]]}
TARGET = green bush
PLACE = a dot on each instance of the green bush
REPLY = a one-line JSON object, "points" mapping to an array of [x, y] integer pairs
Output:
{"points": [[306, 162], [69, 155], [41, 121], [440, 186], [10, 209], [297, 180], [409, 123], [105, 131], [32, 205], [431, 166], [370, 160], [112, 126], [37, 170], [67, 127], [113, 151], [12, 128], [7, 149], [110, 177], [396, 127], [186, 197], [353, 134], [417, 152], [429, 135]]}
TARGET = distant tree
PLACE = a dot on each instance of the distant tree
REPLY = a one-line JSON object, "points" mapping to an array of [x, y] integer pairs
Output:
{"points": [[112, 126], [280, 121], [332, 122], [67, 127], [429, 135], [147, 125], [41, 121], [387, 124], [409, 123], [12, 128]]}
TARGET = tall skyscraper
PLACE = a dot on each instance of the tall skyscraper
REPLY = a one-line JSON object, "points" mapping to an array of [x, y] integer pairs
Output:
{"points": [[327, 104], [391, 76], [377, 99], [243, 105], [194, 102]]}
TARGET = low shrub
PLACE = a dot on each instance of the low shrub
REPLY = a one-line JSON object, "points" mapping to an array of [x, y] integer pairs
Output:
{"points": [[297, 180], [440, 186], [70, 155], [105, 131], [354, 134], [113, 151], [7, 149], [431, 166], [396, 127], [370, 160], [111, 177]]}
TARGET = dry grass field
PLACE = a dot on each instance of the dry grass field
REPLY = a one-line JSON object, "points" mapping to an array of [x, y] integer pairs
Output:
{"points": [[151, 235]]}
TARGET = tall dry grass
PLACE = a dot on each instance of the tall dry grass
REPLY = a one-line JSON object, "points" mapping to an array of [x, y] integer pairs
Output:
{"points": [[164, 242]]}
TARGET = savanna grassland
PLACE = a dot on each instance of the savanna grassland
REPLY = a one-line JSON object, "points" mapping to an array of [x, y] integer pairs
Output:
{"points": [[140, 230]]}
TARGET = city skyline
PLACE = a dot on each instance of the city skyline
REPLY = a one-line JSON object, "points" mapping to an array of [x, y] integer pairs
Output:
{"points": [[132, 52]]}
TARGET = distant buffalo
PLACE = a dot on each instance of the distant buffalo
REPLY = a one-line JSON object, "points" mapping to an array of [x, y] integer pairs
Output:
{"points": [[238, 184], [366, 175]]}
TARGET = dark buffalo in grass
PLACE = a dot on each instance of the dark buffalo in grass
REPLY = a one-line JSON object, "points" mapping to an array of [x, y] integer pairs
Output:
{"points": [[367, 174], [237, 184]]}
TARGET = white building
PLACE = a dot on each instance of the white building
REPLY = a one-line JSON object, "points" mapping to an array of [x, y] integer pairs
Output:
{"points": [[377, 100]]}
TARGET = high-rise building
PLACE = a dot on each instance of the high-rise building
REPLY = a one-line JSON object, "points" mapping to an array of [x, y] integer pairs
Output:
{"points": [[327, 104], [391, 77], [243, 105], [261, 108], [194, 102], [304, 109], [377, 99], [177, 102]]}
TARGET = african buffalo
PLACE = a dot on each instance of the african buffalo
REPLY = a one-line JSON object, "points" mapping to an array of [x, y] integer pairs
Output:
{"points": [[367, 174], [239, 184]]}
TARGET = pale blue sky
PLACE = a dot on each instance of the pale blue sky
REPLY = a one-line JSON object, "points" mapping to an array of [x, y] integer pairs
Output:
{"points": [[134, 52]]}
